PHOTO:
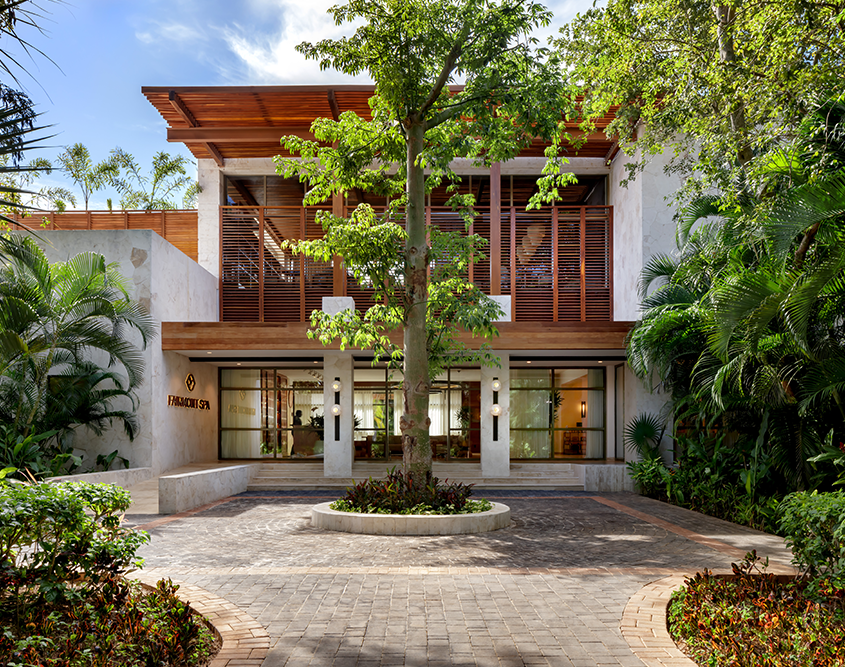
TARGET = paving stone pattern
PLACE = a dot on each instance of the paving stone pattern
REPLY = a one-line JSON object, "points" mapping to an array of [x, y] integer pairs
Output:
{"points": [[549, 590]]}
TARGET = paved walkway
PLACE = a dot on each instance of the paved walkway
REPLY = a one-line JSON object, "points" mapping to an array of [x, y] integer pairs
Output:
{"points": [[549, 590]]}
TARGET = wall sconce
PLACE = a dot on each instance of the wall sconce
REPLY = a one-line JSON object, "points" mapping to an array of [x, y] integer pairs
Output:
{"points": [[496, 385], [583, 409], [335, 410], [337, 385], [496, 410]]}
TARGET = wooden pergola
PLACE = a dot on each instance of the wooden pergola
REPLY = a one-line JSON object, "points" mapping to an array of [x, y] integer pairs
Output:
{"points": [[222, 122]]}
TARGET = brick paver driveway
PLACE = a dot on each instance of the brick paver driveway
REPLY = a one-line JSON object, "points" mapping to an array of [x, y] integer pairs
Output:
{"points": [[549, 590]]}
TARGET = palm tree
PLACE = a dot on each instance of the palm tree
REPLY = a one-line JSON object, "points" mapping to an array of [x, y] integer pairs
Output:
{"points": [[55, 320]]}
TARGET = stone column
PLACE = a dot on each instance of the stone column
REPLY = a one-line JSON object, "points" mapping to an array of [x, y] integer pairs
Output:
{"points": [[210, 178], [495, 454], [338, 453]]}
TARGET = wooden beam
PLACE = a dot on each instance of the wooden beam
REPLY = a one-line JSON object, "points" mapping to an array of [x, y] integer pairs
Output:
{"points": [[273, 134], [186, 115], [216, 154], [243, 336], [333, 105], [182, 109], [229, 135]]}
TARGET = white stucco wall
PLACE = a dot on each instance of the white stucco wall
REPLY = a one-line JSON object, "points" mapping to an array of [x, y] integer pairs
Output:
{"points": [[172, 287], [627, 205]]}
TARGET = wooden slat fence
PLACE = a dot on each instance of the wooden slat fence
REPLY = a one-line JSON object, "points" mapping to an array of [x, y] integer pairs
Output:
{"points": [[178, 227]]}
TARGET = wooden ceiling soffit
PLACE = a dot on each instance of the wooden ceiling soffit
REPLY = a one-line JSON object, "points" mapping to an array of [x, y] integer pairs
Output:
{"points": [[185, 113]]}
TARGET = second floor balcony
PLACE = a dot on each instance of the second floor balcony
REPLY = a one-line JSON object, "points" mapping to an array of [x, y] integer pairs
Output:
{"points": [[556, 264]]}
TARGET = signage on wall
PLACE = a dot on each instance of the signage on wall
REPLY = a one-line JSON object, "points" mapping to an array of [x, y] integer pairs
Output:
{"points": [[185, 402], [240, 410]]}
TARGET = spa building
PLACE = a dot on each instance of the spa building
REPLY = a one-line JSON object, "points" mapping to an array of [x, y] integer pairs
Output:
{"points": [[233, 377]]}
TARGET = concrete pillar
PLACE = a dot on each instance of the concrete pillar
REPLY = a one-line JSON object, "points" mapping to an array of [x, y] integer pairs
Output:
{"points": [[338, 452], [210, 198], [495, 454]]}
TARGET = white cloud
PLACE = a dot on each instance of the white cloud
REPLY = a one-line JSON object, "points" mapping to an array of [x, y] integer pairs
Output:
{"points": [[272, 58], [176, 33]]}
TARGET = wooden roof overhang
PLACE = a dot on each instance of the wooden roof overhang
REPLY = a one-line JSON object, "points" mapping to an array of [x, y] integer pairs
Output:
{"points": [[188, 337], [221, 122]]}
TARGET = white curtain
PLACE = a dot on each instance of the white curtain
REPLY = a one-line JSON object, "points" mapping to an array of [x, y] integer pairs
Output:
{"points": [[364, 409]]}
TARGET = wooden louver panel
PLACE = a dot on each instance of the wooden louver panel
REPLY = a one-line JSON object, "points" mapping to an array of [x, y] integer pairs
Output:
{"points": [[240, 293], [318, 276], [533, 266], [556, 264], [282, 272], [597, 276]]}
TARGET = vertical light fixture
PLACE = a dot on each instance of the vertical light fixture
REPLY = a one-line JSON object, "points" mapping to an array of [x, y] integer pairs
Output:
{"points": [[583, 409], [336, 387], [495, 409]]}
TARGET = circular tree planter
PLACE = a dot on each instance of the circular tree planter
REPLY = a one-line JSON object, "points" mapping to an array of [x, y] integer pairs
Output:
{"points": [[322, 516]]}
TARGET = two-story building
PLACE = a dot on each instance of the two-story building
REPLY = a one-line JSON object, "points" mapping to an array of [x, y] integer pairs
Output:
{"points": [[261, 390]]}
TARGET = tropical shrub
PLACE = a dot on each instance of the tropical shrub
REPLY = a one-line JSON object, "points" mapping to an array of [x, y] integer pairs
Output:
{"points": [[59, 541], [55, 319], [63, 598], [398, 493], [814, 527], [650, 477], [755, 618]]}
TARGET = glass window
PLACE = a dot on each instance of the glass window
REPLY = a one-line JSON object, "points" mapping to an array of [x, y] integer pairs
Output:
{"points": [[557, 413], [271, 413], [454, 410]]}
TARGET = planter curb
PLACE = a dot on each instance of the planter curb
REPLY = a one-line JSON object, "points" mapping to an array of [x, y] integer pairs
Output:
{"points": [[322, 516]]}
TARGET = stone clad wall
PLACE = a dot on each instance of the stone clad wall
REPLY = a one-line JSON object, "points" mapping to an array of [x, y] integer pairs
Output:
{"points": [[173, 287]]}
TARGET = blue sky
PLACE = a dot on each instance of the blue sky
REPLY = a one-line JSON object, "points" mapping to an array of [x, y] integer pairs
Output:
{"points": [[105, 50]]}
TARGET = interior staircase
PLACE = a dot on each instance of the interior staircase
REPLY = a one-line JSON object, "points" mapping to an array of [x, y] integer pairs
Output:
{"points": [[308, 476]]}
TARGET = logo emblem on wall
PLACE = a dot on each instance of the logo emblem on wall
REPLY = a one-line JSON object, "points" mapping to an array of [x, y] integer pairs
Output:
{"points": [[190, 382], [242, 394]]}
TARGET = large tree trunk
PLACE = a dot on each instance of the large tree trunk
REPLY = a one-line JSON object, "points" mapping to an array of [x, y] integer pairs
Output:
{"points": [[725, 16], [416, 443]]}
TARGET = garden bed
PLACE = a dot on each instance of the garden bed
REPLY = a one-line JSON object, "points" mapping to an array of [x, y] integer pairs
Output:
{"points": [[120, 623], [753, 618]]}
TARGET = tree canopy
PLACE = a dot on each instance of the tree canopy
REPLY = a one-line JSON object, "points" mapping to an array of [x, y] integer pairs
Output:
{"points": [[718, 82], [453, 79]]}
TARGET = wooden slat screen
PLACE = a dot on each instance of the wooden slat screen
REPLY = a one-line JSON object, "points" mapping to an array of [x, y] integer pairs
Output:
{"points": [[533, 266], [239, 265], [178, 227], [556, 263], [569, 265], [597, 276], [282, 269], [319, 278]]}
